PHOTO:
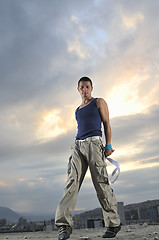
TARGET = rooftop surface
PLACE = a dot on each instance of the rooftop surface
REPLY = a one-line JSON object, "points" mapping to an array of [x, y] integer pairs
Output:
{"points": [[136, 232]]}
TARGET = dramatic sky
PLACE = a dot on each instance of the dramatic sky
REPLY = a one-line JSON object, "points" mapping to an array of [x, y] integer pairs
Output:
{"points": [[45, 47]]}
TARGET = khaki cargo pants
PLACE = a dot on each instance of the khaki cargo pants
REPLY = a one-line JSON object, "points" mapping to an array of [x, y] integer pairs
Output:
{"points": [[87, 153]]}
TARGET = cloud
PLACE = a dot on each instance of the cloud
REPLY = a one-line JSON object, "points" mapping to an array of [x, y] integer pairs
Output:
{"points": [[133, 21], [136, 141], [45, 48], [139, 185], [75, 44], [37, 37], [2, 184], [136, 128]]}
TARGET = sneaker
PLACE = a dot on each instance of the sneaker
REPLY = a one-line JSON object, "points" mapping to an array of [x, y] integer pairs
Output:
{"points": [[111, 232], [64, 232]]}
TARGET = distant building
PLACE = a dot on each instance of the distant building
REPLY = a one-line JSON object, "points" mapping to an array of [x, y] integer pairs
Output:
{"points": [[95, 223], [22, 222], [2, 223], [94, 218], [121, 212], [142, 212]]}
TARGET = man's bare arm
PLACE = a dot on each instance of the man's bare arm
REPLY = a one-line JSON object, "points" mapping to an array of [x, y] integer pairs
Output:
{"points": [[104, 112]]}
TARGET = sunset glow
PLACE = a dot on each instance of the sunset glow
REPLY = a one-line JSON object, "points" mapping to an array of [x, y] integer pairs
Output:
{"points": [[132, 21], [21, 179], [124, 99], [2, 184], [54, 124]]}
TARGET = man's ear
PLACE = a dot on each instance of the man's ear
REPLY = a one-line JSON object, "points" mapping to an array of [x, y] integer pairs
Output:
{"points": [[78, 88]]}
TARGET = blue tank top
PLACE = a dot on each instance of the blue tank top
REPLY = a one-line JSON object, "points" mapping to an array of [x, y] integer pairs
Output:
{"points": [[89, 121]]}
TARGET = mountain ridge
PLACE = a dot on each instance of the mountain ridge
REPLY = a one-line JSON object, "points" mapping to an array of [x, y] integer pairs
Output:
{"points": [[8, 214]]}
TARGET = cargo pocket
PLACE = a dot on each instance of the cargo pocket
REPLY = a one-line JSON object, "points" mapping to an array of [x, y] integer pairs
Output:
{"points": [[102, 175], [103, 185], [99, 148]]}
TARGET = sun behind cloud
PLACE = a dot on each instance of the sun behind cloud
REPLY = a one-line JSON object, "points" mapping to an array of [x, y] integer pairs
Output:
{"points": [[56, 122], [125, 100], [131, 22]]}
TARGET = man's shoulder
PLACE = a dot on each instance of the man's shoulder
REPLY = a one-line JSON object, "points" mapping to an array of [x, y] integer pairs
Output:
{"points": [[100, 101]]}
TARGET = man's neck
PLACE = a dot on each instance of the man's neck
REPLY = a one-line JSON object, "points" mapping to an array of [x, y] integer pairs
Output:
{"points": [[86, 100]]}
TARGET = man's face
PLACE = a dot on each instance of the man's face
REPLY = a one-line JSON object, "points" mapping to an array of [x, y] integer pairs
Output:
{"points": [[85, 89]]}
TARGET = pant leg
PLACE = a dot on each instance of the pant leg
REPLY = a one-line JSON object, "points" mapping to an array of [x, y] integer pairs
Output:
{"points": [[77, 168], [105, 193]]}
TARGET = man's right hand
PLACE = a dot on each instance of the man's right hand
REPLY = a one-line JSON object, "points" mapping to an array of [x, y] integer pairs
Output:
{"points": [[108, 152]]}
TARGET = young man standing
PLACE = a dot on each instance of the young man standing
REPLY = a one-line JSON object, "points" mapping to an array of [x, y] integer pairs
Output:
{"points": [[88, 151]]}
